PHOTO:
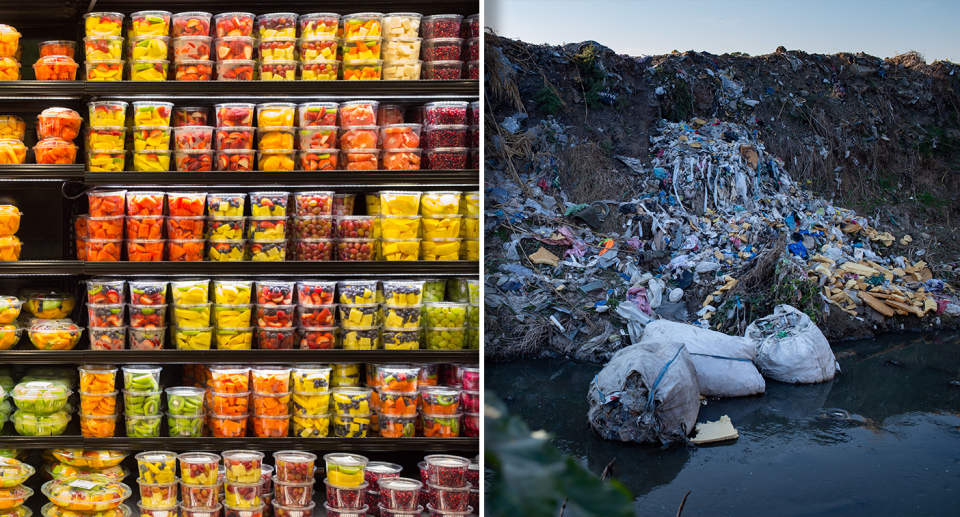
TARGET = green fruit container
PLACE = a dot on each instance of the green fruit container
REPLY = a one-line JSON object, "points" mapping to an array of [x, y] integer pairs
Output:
{"points": [[40, 397], [434, 290], [141, 378], [445, 314], [28, 424], [185, 401], [445, 338], [473, 291], [142, 403]]}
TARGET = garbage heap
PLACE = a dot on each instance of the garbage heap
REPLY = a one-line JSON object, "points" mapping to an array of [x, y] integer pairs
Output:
{"points": [[719, 231]]}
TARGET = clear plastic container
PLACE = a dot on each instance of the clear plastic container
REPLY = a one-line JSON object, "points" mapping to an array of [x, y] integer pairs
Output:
{"points": [[357, 48], [278, 70], [346, 498], [400, 493], [318, 25], [435, 137], [362, 70], [344, 469], [158, 495], [443, 70], [194, 160], [55, 151], [193, 70], [362, 24], [148, 69], [318, 159], [190, 115], [100, 493], [193, 137], [323, 49], [186, 511], [107, 113], [318, 137], [233, 48], [152, 113], [445, 113], [275, 138], [314, 114], [404, 70], [40, 397], [147, 338], [99, 48], [401, 338], [107, 338], [9, 309], [149, 47], [12, 152], [9, 41], [225, 229], [278, 160], [192, 47], [442, 49], [55, 68], [150, 23], [445, 338], [235, 138], [235, 70], [277, 49], [12, 126], [401, 159], [263, 204], [228, 426], [58, 48], [401, 25], [242, 466], [235, 114], [233, 24], [59, 123], [447, 158], [277, 25], [54, 334], [105, 139], [319, 70], [9, 69], [193, 23]]}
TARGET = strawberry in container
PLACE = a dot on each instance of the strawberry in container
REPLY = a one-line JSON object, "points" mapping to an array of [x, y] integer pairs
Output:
{"points": [[363, 24], [277, 25], [186, 204], [233, 48], [102, 291], [107, 338], [148, 292], [235, 160], [318, 338], [401, 136], [315, 292], [102, 24], [58, 48], [318, 137], [359, 137], [234, 114], [318, 48], [147, 338], [194, 160], [263, 204], [316, 315], [194, 23], [234, 138], [193, 70], [358, 113], [105, 138], [55, 68], [401, 160], [149, 70], [184, 116], [277, 49], [361, 159], [275, 315], [362, 70], [59, 123], [145, 203], [275, 292], [317, 25], [151, 113], [314, 114], [319, 70], [319, 160], [278, 70], [103, 47], [276, 339], [151, 138], [147, 316], [193, 138], [150, 23], [105, 315], [235, 70], [55, 151], [361, 48], [185, 251], [192, 47], [143, 250]]}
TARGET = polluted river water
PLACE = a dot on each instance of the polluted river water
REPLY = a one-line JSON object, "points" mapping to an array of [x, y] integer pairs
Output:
{"points": [[882, 438]]}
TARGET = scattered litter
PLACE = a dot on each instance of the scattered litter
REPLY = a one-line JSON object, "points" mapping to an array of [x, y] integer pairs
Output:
{"points": [[711, 432]]}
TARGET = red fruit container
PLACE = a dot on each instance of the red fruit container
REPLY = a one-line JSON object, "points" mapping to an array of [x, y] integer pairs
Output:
{"points": [[401, 136], [275, 292], [234, 137], [356, 250], [315, 292], [343, 204], [233, 48], [193, 138], [194, 160], [294, 466], [441, 26], [313, 227], [233, 24], [196, 23], [356, 226], [55, 151], [147, 316], [55, 68], [182, 228], [318, 137], [319, 159], [143, 250], [358, 113], [400, 160], [235, 114], [193, 70], [314, 114], [106, 203], [59, 123], [58, 48], [359, 137], [105, 315], [318, 338], [313, 203], [192, 47], [278, 70], [235, 70], [185, 250], [148, 227], [276, 338], [188, 116], [346, 498], [235, 160], [316, 315], [445, 113], [275, 316]]}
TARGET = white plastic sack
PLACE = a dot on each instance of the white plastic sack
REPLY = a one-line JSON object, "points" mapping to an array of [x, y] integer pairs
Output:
{"points": [[723, 363], [790, 348], [646, 393]]}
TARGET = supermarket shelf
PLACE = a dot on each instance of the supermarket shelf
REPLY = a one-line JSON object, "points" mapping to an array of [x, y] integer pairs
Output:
{"points": [[273, 356], [41, 267], [296, 269], [208, 92], [33, 172], [31, 356], [426, 7], [343, 180], [261, 444], [34, 90]]}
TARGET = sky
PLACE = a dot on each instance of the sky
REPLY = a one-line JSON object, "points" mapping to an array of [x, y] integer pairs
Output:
{"points": [[881, 28]]}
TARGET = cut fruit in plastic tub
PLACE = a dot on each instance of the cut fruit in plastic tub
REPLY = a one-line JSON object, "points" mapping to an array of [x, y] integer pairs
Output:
{"points": [[362, 47], [97, 378], [193, 70], [390, 114], [273, 161], [192, 48], [9, 308], [186, 511], [151, 161], [445, 338], [104, 69], [55, 68], [310, 403], [147, 338], [275, 138], [226, 250], [233, 24], [149, 138], [396, 426], [356, 250], [235, 138], [351, 401], [233, 338], [378, 470], [440, 249], [442, 49], [193, 137], [318, 160], [189, 426], [441, 137], [9, 41], [270, 426], [441, 26], [234, 114], [230, 379], [272, 338], [345, 470], [105, 227], [346, 426], [318, 49], [275, 316], [278, 70], [50, 305], [200, 496], [141, 378], [314, 227], [148, 69], [143, 426], [151, 113], [185, 250], [158, 495], [318, 114], [193, 339], [294, 466], [40, 397], [362, 70], [86, 493], [199, 468], [470, 400], [338, 512], [12, 126], [194, 23], [319, 70], [58, 48], [229, 404], [98, 459], [310, 378], [398, 378], [150, 23], [9, 69], [279, 115], [55, 151], [316, 315], [149, 48], [235, 70], [318, 338], [98, 426], [185, 401], [12, 152], [401, 160], [447, 499], [362, 24], [401, 25], [146, 511], [317, 25], [228, 426], [234, 48], [310, 426], [105, 138], [54, 335], [107, 338], [356, 316], [318, 137], [225, 229], [436, 227], [29, 424], [346, 498], [440, 400], [194, 160], [359, 137], [242, 466], [15, 497], [401, 338], [232, 292], [59, 123], [242, 495], [277, 25], [398, 404], [106, 161], [9, 336], [192, 316], [148, 292], [232, 316], [277, 49], [142, 403], [157, 466], [401, 136], [344, 375]]}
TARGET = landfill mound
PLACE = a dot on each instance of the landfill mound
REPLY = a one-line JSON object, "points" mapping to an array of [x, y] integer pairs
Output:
{"points": [[710, 189]]}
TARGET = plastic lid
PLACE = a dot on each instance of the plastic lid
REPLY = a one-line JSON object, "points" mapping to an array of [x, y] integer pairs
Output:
{"points": [[93, 459], [15, 493], [95, 489], [50, 60], [54, 142], [39, 325], [14, 472], [342, 458], [402, 484], [40, 389], [59, 112]]}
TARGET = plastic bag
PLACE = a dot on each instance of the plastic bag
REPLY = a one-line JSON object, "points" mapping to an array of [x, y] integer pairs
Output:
{"points": [[790, 348]]}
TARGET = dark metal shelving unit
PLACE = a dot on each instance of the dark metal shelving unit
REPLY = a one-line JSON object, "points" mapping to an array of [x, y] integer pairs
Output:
{"points": [[343, 180], [295, 269], [261, 444]]}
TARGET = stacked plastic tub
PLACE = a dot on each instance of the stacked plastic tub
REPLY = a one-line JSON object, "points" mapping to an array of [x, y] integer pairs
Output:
{"points": [[276, 315], [232, 314], [233, 46], [9, 243], [103, 46], [194, 148], [42, 408], [158, 482], [346, 484], [148, 46], [470, 229], [401, 314], [445, 134], [360, 47], [470, 32], [243, 483], [106, 302], [293, 483], [225, 231], [9, 53], [151, 135], [145, 227], [401, 46], [271, 401], [318, 46], [228, 399], [234, 136], [442, 47], [200, 486], [310, 402], [191, 46], [13, 474], [317, 136], [106, 134], [316, 313], [313, 226], [447, 488], [148, 314], [185, 418], [142, 401], [275, 135]]}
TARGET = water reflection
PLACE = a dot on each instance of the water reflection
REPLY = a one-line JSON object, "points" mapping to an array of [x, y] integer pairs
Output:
{"points": [[883, 438]]}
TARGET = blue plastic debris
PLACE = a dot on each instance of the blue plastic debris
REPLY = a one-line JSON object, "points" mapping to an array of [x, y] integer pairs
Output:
{"points": [[798, 249]]}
